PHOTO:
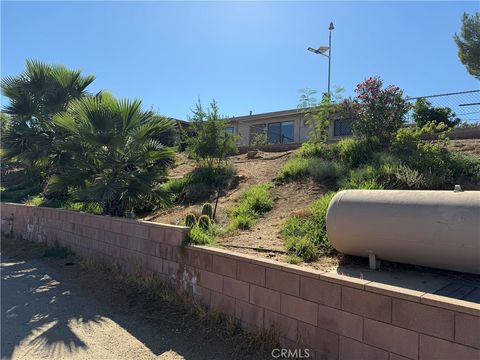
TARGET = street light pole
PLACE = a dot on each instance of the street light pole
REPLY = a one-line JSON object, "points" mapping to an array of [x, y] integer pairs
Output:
{"points": [[330, 28], [322, 51]]}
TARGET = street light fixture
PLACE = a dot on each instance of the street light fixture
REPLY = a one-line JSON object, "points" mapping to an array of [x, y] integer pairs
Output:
{"points": [[322, 51]]}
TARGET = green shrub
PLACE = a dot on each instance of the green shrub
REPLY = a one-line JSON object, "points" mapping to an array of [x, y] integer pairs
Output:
{"points": [[243, 221], [301, 247], [355, 152], [324, 170], [201, 184], [36, 200], [318, 150], [199, 236], [294, 169], [307, 236], [176, 188], [255, 201], [465, 167], [365, 177], [316, 168], [197, 192], [259, 139]]}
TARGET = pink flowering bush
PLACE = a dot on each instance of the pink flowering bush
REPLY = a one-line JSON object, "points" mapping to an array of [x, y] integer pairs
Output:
{"points": [[378, 112]]}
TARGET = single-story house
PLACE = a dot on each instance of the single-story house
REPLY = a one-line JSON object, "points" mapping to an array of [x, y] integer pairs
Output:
{"points": [[282, 127]]}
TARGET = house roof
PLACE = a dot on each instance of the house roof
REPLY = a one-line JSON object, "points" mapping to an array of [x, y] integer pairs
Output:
{"points": [[267, 115]]}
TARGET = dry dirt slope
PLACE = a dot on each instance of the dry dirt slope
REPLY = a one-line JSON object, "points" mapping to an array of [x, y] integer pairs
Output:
{"points": [[263, 169], [264, 238]]}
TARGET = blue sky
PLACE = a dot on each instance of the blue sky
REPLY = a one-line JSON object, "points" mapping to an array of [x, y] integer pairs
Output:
{"points": [[246, 55]]}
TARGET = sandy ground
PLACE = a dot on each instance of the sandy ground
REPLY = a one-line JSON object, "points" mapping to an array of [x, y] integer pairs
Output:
{"points": [[54, 311]]}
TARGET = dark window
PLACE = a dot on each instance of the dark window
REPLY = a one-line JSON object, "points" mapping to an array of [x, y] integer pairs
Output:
{"points": [[257, 129], [281, 132], [342, 127]]}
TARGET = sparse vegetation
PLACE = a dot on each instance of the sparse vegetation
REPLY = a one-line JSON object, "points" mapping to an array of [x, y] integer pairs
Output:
{"points": [[256, 201], [306, 234], [201, 184], [316, 168], [200, 235]]}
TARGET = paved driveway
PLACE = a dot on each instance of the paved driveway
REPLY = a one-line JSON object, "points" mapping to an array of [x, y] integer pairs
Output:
{"points": [[55, 311]]}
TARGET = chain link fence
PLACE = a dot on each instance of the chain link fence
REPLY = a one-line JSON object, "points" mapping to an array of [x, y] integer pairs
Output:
{"points": [[465, 104]]}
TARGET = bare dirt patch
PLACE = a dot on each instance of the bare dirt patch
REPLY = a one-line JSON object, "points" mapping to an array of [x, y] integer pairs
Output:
{"points": [[471, 146], [265, 234]]}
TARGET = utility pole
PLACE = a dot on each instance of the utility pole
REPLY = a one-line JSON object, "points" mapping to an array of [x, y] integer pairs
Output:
{"points": [[323, 49]]}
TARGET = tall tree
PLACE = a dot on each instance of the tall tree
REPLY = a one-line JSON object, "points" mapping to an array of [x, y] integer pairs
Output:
{"points": [[35, 96], [424, 112], [468, 43], [116, 157]]}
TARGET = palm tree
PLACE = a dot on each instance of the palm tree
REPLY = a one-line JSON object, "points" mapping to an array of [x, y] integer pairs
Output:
{"points": [[41, 91], [116, 157]]}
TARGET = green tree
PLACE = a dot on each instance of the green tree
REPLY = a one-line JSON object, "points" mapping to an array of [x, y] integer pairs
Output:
{"points": [[318, 116], [378, 112], [35, 95], [210, 142], [468, 43], [115, 155], [424, 112]]}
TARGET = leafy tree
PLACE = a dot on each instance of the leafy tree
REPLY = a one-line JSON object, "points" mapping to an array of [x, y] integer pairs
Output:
{"points": [[378, 113], [318, 116], [116, 157], [210, 142], [424, 112], [468, 43], [41, 91]]}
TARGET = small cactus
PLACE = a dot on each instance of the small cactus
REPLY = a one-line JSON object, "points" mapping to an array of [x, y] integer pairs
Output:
{"points": [[207, 210], [190, 220], [204, 222]]}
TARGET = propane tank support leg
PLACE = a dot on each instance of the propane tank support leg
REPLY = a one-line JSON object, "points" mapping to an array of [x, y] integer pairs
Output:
{"points": [[373, 262]]}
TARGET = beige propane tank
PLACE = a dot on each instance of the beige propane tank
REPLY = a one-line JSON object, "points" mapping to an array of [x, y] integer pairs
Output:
{"points": [[439, 229]]}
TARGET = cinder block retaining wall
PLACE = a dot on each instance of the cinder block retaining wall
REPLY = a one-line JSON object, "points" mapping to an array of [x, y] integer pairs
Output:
{"points": [[336, 316]]}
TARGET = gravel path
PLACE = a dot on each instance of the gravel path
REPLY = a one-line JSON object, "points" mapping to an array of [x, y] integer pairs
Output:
{"points": [[54, 311]]}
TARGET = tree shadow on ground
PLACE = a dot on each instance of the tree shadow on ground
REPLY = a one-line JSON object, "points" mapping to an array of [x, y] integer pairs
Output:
{"points": [[53, 311]]}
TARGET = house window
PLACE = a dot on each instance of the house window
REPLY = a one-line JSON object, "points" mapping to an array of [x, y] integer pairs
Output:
{"points": [[230, 130], [342, 127], [257, 129], [280, 132]]}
